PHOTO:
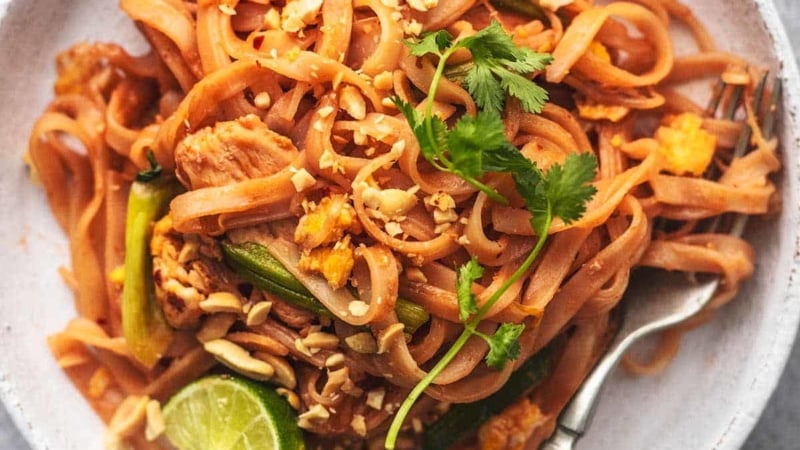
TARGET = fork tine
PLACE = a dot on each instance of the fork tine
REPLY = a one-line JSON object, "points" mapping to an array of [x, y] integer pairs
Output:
{"points": [[733, 103], [770, 118], [744, 138], [716, 98]]}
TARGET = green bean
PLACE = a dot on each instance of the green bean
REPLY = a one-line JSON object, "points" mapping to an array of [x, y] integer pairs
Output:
{"points": [[254, 263]]}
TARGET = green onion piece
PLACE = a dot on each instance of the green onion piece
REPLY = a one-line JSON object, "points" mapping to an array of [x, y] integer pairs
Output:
{"points": [[263, 280], [144, 327], [254, 263], [411, 315], [526, 8], [466, 417]]}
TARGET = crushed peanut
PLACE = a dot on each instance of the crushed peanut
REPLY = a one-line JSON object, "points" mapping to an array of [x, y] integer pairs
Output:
{"points": [[272, 19], [221, 302], [302, 180], [375, 398], [315, 414], [353, 102], [320, 340], [440, 200], [359, 425], [362, 342], [389, 335], [448, 216], [215, 326], [262, 100], [301, 347], [393, 229], [422, 5], [336, 359], [358, 308], [239, 360], [258, 313], [284, 373], [297, 14], [257, 342], [390, 202]]}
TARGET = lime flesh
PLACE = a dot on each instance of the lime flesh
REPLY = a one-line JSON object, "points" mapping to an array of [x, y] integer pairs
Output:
{"points": [[230, 413]]}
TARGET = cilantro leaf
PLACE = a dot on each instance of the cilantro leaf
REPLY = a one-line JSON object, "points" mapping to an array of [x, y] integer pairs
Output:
{"points": [[500, 67], [485, 88], [467, 274], [560, 192], [431, 147], [431, 43], [567, 186], [472, 138], [532, 97], [504, 345]]}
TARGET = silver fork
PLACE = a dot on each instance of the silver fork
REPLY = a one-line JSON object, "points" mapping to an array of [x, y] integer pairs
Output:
{"points": [[660, 299]]}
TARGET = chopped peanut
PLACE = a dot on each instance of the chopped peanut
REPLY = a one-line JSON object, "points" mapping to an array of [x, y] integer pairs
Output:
{"points": [[297, 14]]}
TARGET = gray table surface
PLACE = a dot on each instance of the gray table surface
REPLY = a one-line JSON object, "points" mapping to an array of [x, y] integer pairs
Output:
{"points": [[779, 426]]}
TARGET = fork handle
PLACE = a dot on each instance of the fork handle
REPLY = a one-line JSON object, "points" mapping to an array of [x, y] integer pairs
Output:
{"points": [[576, 415]]}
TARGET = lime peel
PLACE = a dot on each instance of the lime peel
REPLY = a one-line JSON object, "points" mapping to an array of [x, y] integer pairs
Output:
{"points": [[224, 412]]}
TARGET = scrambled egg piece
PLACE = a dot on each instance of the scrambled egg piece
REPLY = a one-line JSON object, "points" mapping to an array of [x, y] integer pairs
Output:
{"points": [[327, 222], [589, 109], [685, 146], [334, 263]]}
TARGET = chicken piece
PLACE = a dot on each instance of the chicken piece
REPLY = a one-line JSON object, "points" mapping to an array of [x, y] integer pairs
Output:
{"points": [[186, 269], [327, 222], [512, 428], [685, 146], [334, 263], [231, 152]]}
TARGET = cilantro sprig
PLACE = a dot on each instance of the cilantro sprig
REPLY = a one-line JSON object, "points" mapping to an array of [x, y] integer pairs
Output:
{"points": [[476, 145], [563, 192]]}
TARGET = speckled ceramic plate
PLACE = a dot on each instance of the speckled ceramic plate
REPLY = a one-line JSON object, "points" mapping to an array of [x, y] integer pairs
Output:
{"points": [[709, 398]]}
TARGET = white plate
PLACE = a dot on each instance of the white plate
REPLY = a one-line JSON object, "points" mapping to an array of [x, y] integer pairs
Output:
{"points": [[709, 398]]}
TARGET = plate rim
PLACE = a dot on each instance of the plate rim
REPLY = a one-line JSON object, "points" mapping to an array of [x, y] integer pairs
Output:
{"points": [[763, 385]]}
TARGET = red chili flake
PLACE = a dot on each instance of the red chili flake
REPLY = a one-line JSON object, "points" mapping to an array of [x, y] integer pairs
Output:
{"points": [[257, 42]]}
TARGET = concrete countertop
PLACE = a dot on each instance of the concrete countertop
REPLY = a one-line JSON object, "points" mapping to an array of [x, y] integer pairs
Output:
{"points": [[778, 427]]}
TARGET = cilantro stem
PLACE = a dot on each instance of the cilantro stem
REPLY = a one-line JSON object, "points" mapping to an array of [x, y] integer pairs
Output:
{"points": [[469, 331], [437, 77]]}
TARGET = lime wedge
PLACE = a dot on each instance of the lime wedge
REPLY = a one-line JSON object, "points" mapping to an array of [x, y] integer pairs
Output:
{"points": [[222, 412]]}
